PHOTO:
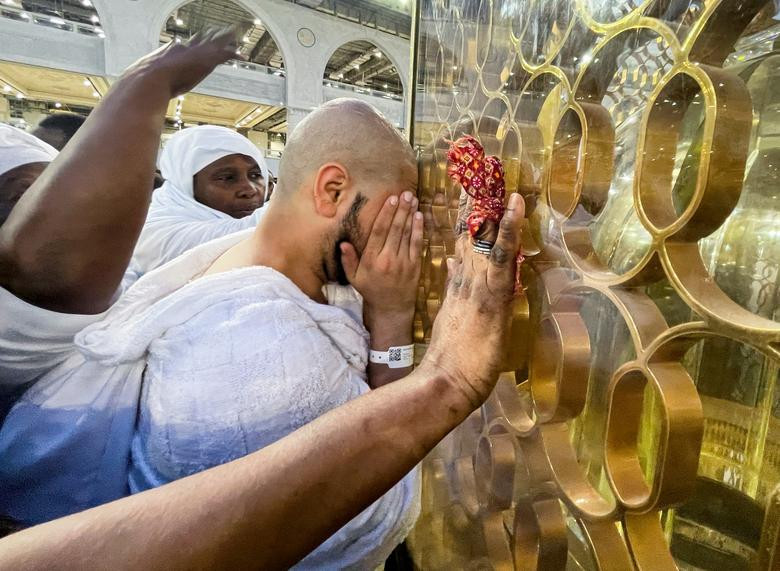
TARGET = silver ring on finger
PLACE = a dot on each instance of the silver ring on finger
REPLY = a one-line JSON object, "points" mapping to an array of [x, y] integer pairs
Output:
{"points": [[482, 247]]}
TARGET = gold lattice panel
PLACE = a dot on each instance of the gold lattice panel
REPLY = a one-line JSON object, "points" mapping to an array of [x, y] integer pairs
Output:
{"points": [[637, 423]]}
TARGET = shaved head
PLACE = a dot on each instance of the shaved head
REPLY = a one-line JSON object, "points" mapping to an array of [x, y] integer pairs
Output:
{"points": [[353, 134], [340, 165]]}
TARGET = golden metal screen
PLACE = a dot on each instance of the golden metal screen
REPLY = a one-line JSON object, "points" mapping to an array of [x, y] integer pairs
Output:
{"points": [[638, 422]]}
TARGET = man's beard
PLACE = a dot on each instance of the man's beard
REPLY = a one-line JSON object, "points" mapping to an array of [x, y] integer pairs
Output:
{"points": [[349, 231]]}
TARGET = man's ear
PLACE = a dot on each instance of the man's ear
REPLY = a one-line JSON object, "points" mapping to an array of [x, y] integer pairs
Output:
{"points": [[330, 184]]}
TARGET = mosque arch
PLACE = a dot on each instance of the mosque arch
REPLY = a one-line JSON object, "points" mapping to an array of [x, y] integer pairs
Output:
{"points": [[363, 64]]}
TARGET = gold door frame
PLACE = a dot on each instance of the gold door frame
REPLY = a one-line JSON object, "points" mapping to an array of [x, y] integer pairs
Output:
{"points": [[594, 434]]}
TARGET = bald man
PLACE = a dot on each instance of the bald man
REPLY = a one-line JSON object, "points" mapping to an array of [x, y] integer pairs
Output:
{"points": [[350, 455], [242, 341]]}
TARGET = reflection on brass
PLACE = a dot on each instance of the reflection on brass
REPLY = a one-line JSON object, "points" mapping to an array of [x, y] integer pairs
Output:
{"points": [[679, 442], [576, 491], [497, 541], [539, 535], [505, 405], [646, 542], [629, 139], [494, 467], [607, 547], [725, 104], [559, 369]]}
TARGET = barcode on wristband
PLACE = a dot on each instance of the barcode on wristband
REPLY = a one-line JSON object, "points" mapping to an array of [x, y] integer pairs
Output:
{"points": [[394, 354]]}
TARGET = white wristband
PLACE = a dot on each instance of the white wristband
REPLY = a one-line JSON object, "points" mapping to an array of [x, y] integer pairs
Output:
{"points": [[394, 357]]}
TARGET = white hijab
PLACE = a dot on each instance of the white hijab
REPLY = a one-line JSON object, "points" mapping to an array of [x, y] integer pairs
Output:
{"points": [[19, 148], [187, 153], [176, 221]]}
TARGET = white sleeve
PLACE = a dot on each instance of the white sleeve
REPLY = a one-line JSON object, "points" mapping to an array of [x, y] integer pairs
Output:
{"points": [[33, 340]]}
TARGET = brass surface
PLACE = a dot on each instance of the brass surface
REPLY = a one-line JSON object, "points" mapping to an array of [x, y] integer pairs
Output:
{"points": [[645, 351]]}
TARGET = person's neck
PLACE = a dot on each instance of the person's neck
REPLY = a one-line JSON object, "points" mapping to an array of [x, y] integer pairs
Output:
{"points": [[282, 243]]}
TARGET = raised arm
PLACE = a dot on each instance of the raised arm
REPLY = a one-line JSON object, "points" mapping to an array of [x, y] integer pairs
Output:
{"points": [[68, 241], [269, 509]]}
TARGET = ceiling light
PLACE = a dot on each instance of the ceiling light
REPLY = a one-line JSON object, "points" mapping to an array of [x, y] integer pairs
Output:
{"points": [[95, 94], [86, 3], [7, 88], [94, 19], [58, 104], [258, 22], [19, 96], [179, 22], [86, 83]]}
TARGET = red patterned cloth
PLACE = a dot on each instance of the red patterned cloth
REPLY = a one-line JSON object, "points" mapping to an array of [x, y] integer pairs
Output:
{"points": [[482, 178]]}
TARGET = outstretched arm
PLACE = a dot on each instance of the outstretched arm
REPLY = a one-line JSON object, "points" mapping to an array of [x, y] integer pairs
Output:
{"points": [[269, 509], [67, 243]]}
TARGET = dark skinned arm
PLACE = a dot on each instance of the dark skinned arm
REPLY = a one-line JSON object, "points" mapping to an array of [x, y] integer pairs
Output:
{"points": [[269, 509], [69, 239]]}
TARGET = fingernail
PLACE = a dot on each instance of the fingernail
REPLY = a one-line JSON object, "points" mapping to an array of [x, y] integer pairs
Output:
{"points": [[418, 215], [408, 196], [393, 200], [514, 200]]}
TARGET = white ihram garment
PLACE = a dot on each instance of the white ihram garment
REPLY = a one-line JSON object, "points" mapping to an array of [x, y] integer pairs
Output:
{"points": [[19, 148], [229, 363]]}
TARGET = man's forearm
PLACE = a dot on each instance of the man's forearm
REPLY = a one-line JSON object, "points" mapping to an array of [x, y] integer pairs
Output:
{"points": [[388, 330], [264, 511]]}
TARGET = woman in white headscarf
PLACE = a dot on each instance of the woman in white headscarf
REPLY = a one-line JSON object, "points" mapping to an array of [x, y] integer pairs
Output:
{"points": [[215, 184], [22, 159]]}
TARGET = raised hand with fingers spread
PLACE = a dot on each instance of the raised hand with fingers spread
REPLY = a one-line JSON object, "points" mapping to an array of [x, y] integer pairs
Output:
{"points": [[184, 65], [469, 336]]}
